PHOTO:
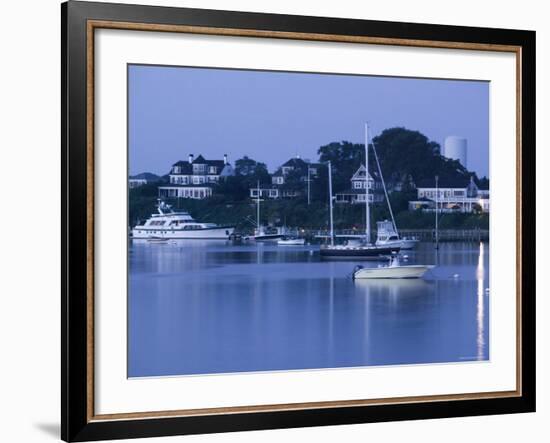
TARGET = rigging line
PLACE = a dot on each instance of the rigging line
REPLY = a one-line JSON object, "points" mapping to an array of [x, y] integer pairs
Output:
{"points": [[384, 187]]}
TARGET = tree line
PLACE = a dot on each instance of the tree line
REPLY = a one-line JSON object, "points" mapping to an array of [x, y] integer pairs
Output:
{"points": [[406, 157]]}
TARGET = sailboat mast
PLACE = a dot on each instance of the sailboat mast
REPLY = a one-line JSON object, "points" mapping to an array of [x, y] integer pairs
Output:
{"points": [[384, 187], [367, 203], [330, 203], [436, 212], [258, 206]]}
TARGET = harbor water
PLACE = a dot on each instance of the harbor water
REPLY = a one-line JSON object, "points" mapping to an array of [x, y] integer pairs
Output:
{"points": [[206, 307]]}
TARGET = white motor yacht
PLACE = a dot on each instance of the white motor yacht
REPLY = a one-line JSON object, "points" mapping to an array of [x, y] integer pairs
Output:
{"points": [[168, 224]]}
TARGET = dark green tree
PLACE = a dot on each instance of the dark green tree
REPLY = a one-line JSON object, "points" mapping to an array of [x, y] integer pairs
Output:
{"points": [[142, 202], [247, 166], [407, 155], [294, 181], [483, 183], [251, 172], [319, 185], [345, 158], [233, 188]]}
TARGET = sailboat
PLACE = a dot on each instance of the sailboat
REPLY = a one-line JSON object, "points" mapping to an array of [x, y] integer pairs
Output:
{"points": [[386, 230], [362, 249], [264, 233]]}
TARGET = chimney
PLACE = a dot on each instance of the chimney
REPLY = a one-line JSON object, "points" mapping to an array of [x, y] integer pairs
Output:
{"points": [[224, 159], [190, 158]]}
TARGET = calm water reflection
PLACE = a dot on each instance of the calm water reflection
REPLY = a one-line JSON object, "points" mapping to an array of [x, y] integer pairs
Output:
{"points": [[211, 307]]}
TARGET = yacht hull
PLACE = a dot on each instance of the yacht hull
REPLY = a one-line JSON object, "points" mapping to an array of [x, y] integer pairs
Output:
{"points": [[359, 252], [408, 244], [217, 233], [401, 243], [268, 237], [292, 242], [413, 271]]}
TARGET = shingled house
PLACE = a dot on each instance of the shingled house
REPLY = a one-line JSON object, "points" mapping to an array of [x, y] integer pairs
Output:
{"points": [[357, 192], [457, 195], [280, 186], [195, 177]]}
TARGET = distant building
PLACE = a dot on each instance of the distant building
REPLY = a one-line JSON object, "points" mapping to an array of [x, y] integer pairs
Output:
{"points": [[195, 177], [357, 192], [134, 181], [265, 193], [280, 186], [461, 195], [456, 148]]}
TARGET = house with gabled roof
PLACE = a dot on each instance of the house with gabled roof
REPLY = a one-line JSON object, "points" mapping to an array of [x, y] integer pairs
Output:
{"points": [[279, 179], [357, 192], [195, 177], [451, 195]]}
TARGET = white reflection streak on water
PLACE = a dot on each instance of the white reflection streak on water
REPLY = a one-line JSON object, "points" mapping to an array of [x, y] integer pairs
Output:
{"points": [[480, 274], [331, 318], [367, 322]]}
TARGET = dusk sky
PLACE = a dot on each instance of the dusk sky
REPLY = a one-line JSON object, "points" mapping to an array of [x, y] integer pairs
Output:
{"points": [[273, 116]]}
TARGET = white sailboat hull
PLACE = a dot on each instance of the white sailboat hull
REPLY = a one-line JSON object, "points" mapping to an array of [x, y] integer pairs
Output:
{"points": [[413, 271], [267, 237], [408, 243], [401, 243], [218, 233], [292, 242]]}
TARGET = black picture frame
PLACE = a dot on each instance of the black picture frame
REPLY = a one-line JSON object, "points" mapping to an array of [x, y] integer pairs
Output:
{"points": [[76, 424]]}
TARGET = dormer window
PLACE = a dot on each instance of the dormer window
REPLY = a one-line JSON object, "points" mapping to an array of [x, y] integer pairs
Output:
{"points": [[287, 169], [199, 168]]}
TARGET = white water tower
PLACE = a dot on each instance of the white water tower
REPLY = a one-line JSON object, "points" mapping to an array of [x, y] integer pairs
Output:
{"points": [[456, 148]]}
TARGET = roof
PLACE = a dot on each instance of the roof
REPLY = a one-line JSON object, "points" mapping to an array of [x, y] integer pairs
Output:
{"points": [[444, 183], [186, 167], [145, 176], [359, 174], [295, 162], [177, 185], [483, 186]]}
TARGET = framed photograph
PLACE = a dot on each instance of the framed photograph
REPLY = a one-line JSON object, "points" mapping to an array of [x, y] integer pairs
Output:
{"points": [[276, 221]]}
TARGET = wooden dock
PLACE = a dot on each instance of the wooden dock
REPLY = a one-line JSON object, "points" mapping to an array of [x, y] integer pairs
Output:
{"points": [[445, 235]]}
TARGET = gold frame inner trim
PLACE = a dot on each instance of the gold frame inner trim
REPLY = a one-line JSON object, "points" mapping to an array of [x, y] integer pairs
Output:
{"points": [[97, 24]]}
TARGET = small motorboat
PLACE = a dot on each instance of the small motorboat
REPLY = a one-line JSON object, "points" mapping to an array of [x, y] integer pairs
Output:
{"points": [[392, 270], [291, 241]]}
